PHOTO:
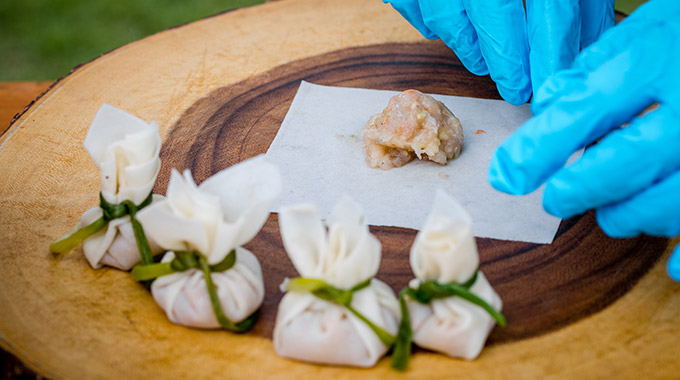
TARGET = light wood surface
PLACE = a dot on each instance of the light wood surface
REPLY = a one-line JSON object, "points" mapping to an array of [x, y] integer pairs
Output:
{"points": [[15, 97], [65, 320], [239, 121]]}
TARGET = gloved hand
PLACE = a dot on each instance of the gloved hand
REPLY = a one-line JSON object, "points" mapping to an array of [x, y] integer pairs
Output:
{"points": [[496, 37], [632, 175]]}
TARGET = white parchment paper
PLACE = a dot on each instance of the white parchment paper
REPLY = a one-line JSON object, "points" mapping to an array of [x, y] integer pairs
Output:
{"points": [[320, 153]]}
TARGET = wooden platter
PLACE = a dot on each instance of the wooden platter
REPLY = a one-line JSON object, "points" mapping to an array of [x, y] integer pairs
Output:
{"points": [[586, 305]]}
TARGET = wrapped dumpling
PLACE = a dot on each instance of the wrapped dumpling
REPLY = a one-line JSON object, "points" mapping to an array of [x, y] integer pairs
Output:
{"points": [[203, 228], [445, 252], [125, 148], [116, 245], [336, 313], [186, 301]]}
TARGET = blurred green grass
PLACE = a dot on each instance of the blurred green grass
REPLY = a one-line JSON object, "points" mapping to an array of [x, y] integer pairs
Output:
{"points": [[44, 39]]}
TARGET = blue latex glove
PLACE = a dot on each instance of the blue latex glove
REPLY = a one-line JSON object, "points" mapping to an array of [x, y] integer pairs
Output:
{"points": [[632, 175], [496, 37]]}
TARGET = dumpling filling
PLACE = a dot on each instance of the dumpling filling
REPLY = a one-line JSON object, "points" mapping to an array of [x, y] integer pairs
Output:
{"points": [[412, 125]]}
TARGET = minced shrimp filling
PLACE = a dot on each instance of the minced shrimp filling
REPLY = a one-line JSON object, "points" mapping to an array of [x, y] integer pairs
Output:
{"points": [[412, 125]]}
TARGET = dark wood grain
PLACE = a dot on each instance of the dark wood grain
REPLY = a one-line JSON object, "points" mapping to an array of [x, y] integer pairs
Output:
{"points": [[544, 287]]}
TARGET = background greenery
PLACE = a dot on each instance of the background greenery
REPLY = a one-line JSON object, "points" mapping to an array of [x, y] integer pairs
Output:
{"points": [[44, 39]]}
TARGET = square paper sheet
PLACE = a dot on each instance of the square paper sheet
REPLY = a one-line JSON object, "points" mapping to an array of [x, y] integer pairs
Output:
{"points": [[320, 153]]}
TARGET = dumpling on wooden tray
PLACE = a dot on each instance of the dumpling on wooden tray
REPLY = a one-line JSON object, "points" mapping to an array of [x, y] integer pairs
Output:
{"points": [[412, 125], [206, 279], [336, 312], [450, 306], [126, 150]]}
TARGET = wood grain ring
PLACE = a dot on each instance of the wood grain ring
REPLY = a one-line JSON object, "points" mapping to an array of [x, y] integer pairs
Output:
{"points": [[544, 287]]}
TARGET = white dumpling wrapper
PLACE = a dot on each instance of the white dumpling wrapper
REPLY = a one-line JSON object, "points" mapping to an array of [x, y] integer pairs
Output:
{"points": [[125, 148], [318, 331], [226, 211], [116, 245], [314, 330], [185, 299], [445, 251]]}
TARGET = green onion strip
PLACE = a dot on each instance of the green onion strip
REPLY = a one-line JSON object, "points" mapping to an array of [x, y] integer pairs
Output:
{"points": [[425, 293], [185, 260], [110, 212], [324, 291]]}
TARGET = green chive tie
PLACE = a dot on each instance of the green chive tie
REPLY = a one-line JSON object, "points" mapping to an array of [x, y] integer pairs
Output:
{"points": [[110, 212], [324, 291], [185, 260], [425, 293]]}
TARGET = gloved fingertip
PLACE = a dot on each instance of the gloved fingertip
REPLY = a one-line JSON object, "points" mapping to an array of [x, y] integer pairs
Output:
{"points": [[552, 202], [673, 266], [609, 223], [514, 96], [501, 176], [560, 197], [478, 68], [472, 60]]}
